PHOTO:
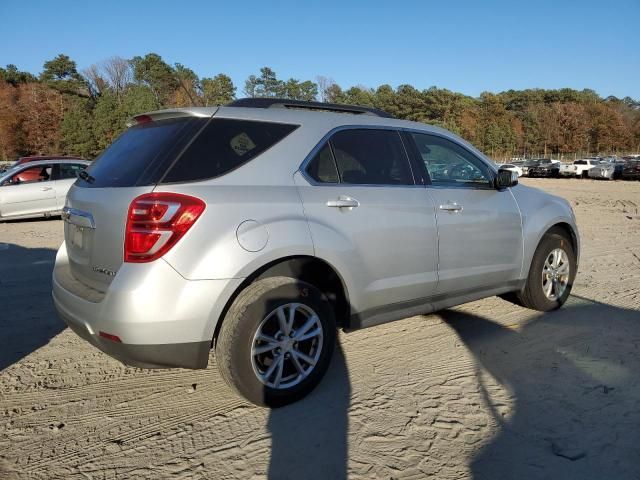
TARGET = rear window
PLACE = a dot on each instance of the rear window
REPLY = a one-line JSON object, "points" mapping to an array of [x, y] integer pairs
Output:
{"points": [[142, 153], [225, 145]]}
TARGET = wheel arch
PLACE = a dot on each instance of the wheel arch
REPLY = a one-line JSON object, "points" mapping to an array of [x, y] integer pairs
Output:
{"points": [[310, 269], [561, 226], [566, 230]]}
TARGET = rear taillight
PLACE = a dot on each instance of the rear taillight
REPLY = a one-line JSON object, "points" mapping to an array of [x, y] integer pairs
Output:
{"points": [[155, 223]]}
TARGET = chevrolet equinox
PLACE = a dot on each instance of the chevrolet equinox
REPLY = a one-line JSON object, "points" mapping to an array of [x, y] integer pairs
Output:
{"points": [[258, 228]]}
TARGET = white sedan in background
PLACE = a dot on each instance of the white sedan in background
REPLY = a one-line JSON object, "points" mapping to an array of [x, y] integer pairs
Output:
{"points": [[37, 188], [511, 167]]}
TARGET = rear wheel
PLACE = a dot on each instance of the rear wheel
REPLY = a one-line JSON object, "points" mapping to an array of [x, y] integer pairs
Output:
{"points": [[276, 341], [551, 275]]}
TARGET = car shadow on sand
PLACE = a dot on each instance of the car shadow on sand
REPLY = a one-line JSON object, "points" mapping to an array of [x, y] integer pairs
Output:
{"points": [[573, 376], [27, 317], [309, 437]]}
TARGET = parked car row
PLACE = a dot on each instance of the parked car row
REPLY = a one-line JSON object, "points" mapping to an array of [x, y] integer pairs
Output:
{"points": [[608, 168]]}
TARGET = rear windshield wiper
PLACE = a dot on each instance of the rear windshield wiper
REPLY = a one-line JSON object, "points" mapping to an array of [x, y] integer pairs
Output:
{"points": [[86, 177]]}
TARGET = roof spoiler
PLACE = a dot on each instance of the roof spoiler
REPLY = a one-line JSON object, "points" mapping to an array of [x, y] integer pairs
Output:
{"points": [[300, 104], [170, 113]]}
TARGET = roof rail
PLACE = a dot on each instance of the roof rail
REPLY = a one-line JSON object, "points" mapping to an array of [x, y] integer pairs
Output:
{"points": [[285, 103]]}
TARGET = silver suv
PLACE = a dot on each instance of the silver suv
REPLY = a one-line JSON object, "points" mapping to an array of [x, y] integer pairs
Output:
{"points": [[260, 227]]}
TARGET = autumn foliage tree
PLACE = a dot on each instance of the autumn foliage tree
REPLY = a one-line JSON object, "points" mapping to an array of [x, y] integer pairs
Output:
{"points": [[63, 111]]}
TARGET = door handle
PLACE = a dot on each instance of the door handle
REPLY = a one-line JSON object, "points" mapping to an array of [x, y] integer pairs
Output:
{"points": [[343, 202], [46, 189], [451, 207]]}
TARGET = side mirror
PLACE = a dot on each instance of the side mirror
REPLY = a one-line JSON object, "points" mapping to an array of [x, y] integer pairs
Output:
{"points": [[506, 178]]}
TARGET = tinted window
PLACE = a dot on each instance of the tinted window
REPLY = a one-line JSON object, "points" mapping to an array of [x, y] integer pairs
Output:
{"points": [[142, 153], [69, 170], [580, 162], [225, 145], [375, 157], [323, 168], [450, 164]]}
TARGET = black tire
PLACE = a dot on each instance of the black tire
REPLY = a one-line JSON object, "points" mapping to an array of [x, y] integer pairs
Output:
{"points": [[532, 295], [235, 340]]}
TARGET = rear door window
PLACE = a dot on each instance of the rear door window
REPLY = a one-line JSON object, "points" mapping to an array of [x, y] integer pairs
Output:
{"points": [[371, 157], [225, 145], [68, 170]]}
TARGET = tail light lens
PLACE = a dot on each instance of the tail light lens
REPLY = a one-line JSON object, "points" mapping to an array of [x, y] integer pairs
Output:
{"points": [[155, 223]]}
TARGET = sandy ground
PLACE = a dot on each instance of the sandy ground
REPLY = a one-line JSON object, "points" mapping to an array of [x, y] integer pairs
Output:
{"points": [[487, 390]]}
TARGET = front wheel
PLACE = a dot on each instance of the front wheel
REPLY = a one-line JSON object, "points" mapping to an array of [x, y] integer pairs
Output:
{"points": [[551, 275], [276, 341]]}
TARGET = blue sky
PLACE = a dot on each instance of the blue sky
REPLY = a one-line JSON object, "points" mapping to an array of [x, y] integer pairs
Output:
{"points": [[465, 46]]}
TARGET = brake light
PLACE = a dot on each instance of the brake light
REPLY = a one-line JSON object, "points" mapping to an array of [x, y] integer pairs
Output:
{"points": [[155, 223], [140, 119]]}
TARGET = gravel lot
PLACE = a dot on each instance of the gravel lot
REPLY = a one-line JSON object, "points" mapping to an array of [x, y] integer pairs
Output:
{"points": [[485, 390]]}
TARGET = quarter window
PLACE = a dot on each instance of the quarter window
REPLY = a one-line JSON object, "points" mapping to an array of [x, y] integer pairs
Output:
{"points": [[373, 157], [225, 145], [323, 168], [450, 164]]}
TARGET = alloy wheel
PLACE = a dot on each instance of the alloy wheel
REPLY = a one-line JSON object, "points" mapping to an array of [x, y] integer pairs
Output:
{"points": [[287, 345], [555, 274]]}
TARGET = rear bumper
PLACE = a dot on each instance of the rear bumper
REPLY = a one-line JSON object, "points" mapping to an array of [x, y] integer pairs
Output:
{"points": [[184, 355], [162, 319]]}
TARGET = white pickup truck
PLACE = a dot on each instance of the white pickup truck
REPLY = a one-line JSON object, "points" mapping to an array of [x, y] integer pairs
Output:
{"points": [[579, 168]]}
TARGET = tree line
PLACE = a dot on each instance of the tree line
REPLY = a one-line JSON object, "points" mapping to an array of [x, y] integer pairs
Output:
{"points": [[64, 111]]}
